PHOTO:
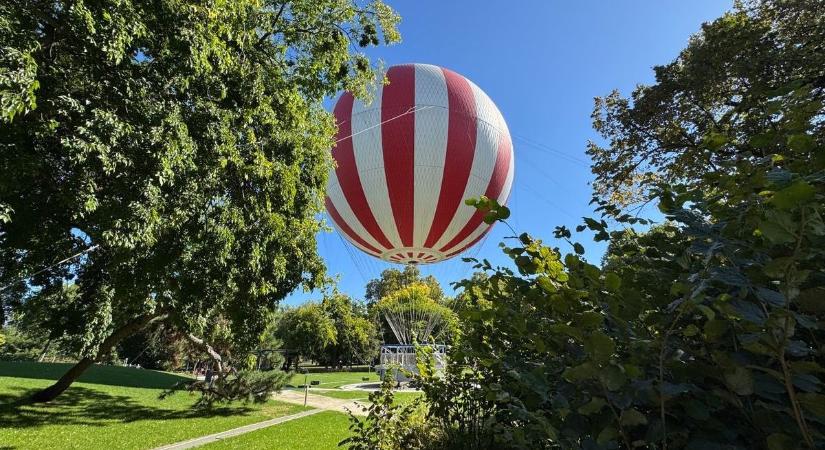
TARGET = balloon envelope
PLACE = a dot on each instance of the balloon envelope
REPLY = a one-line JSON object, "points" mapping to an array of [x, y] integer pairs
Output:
{"points": [[406, 162]]}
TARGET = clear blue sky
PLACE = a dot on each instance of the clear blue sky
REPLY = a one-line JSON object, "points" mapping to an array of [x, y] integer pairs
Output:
{"points": [[541, 62]]}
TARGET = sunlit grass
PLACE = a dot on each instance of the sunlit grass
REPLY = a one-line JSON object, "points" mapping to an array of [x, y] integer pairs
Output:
{"points": [[109, 410], [334, 379], [322, 431]]}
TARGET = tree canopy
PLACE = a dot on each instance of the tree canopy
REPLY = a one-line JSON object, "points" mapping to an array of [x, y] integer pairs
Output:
{"points": [[724, 98], [178, 149], [335, 332]]}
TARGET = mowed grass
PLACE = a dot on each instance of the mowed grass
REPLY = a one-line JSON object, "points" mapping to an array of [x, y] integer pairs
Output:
{"points": [[334, 379], [321, 431], [111, 408]]}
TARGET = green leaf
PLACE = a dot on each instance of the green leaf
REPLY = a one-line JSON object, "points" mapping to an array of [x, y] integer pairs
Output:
{"points": [[546, 284], [578, 248], [593, 406], [779, 441], [709, 313], [590, 320], [599, 346], [740, 381], [714, 141], [608, 434], [794, 195], [612, 378], [715, 329], [813, 403], [770, 297], [775, 232], [612, 282], [632, 418], [761, 140], [749, 311], [581, 372], [690, 330]]}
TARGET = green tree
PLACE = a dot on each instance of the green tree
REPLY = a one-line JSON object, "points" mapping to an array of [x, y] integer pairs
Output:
{"points": [[306, 332], [415, 315], [355, 334], [392, 280], [180, 149], [724, 98]]}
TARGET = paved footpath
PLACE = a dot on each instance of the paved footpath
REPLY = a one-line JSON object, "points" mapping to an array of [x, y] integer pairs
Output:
{"points": [[319, 401], [203, 440]]}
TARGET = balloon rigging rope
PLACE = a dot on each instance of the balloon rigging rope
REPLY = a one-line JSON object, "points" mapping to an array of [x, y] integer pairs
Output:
{"points": [[411, 110], [62, 261]]}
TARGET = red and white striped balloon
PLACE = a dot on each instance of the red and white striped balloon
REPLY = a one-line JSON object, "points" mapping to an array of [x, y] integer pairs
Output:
{"points": [[406, 162]]}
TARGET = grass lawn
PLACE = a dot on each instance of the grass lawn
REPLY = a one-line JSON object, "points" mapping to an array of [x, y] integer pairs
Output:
{"points": [[111, 408], [320, 431], [333, 379], [338, 393]]}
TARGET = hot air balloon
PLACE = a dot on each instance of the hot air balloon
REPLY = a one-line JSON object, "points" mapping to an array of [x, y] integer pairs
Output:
{"points": [[407, 161]]}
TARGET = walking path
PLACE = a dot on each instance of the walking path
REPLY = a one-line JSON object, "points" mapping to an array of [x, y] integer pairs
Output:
{"points": [[203, 440], [321, 402]]}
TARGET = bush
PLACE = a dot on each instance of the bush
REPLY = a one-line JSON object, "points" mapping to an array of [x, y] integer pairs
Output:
{"points": [[389, 426]]}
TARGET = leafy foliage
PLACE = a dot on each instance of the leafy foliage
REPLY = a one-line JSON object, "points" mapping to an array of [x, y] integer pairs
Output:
{"points": [[180, 148], [392, 279], [306, 331], [246, 386], [390, 282], [421, 317], [387, 426], [355, 335], [334, 332]]}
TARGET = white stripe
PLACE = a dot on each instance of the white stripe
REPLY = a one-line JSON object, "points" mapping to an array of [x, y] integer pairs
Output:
{"points": [[484, 161], [430, 146], [508, 182], [369, 160], [336, 196], [503, 133]]}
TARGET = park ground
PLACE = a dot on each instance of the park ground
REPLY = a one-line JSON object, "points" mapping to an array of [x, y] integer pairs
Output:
{"points": [[119, 408]]}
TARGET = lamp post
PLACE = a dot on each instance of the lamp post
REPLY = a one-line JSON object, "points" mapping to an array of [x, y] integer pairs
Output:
{"points": [[306, 386]]}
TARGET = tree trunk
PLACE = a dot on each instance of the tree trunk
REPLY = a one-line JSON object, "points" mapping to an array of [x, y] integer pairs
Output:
{"points": [[44, 351], [216, 357], [51, 392]]}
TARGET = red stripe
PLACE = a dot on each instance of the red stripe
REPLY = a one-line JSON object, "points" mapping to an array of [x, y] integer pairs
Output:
{"points": [[494, 187], [345, 228], [397, 140], [400, 255], [461, 144], [347, 171], [471, 243], [420, 255]]}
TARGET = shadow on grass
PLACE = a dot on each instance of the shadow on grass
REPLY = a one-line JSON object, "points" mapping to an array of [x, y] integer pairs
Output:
{"points": [[90, 407], [96, 374]]}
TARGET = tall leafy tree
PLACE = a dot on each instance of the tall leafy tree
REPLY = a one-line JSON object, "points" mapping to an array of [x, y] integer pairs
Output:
{"points": [[179, 148], [392, 280], [724, 98], [388, 283], [355, 335], [306, 332]]}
